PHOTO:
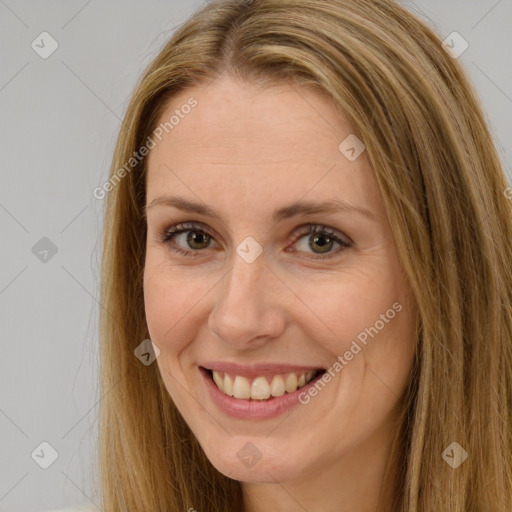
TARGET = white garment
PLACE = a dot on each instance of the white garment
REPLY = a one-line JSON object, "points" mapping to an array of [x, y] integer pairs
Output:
{"points": [[76, 508]]}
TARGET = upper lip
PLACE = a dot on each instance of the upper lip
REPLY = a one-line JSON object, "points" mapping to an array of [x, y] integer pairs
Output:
{"points": [[257, 370]]}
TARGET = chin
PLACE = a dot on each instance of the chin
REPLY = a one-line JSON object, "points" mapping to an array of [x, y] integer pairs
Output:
{"points": [[266, 470]]}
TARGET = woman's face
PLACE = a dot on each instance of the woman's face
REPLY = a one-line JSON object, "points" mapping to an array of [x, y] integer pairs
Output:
{"points": [[246, 290]]}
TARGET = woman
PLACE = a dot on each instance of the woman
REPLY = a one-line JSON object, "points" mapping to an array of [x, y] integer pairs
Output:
{"points": [[368, 369]]}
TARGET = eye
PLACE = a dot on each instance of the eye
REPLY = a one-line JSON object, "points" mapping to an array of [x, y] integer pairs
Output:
{"points": [[323, 239], [195, 237]]}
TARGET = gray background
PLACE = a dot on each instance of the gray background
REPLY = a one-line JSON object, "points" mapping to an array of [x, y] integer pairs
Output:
{"points": [[59, 121]]}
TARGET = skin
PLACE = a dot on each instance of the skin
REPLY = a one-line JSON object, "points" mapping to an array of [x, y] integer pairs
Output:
{"points": [[246, 150]]}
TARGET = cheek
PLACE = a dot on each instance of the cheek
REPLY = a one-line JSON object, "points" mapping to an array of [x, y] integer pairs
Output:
{"points": [[167, 301], [339, 310]]}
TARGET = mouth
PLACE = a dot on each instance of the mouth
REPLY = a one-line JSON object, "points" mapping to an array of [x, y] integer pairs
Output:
{"points": [[261, 388]]}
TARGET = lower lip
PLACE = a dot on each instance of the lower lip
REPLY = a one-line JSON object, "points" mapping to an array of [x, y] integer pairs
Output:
{"points": [[260, 410]]}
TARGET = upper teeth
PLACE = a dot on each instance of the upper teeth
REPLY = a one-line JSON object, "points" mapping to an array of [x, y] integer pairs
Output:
{"points": [[260, 388]]}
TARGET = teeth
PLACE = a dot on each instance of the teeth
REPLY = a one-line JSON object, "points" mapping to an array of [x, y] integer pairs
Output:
{"points": [[219, 381], [277, 387], [241, 387], [228, 385], [291, 383], [260, 389]]}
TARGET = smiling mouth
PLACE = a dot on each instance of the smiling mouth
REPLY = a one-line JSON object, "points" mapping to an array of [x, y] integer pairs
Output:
{"points": [[262, 388]]}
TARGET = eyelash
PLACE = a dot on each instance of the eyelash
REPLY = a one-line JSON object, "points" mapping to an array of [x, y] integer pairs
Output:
{"points": [[317, 229]]}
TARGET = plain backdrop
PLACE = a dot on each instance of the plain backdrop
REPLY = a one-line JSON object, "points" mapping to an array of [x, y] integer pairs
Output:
{"points": [[60, 116]]}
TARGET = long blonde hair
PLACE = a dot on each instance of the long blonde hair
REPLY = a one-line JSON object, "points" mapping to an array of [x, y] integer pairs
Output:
{"points": [[443, 185]]}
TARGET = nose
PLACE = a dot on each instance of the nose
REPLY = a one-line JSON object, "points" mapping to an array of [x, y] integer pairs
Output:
{"points": [[248, 309]]}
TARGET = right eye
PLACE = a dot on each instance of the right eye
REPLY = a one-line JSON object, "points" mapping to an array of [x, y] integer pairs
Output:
{"points": [[195, 234]]}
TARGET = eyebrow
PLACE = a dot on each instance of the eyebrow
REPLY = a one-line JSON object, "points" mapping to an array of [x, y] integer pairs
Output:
{"points": [[285, 212]]}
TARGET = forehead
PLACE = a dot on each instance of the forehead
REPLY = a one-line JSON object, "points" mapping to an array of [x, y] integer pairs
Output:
{"points": [[233, 115], [268, 143]]}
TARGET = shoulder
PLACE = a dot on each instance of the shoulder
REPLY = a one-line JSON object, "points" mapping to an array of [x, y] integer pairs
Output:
{"points": [[75, 508]]}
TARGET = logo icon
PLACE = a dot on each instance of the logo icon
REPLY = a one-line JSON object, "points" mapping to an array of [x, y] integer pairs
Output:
{"points": [[44, 250], [455, 45], [249, 455], [454, 455], [44, 455], [147, 352], [352, 147], [44, 45], [249, 249]]}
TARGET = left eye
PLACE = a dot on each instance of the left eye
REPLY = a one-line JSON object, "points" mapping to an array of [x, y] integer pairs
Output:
{"points": [[323, 238], [199, 239]]}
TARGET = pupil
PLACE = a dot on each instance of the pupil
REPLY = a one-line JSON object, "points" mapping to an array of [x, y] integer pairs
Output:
{"points": [[192, 237], [325, 247]]}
